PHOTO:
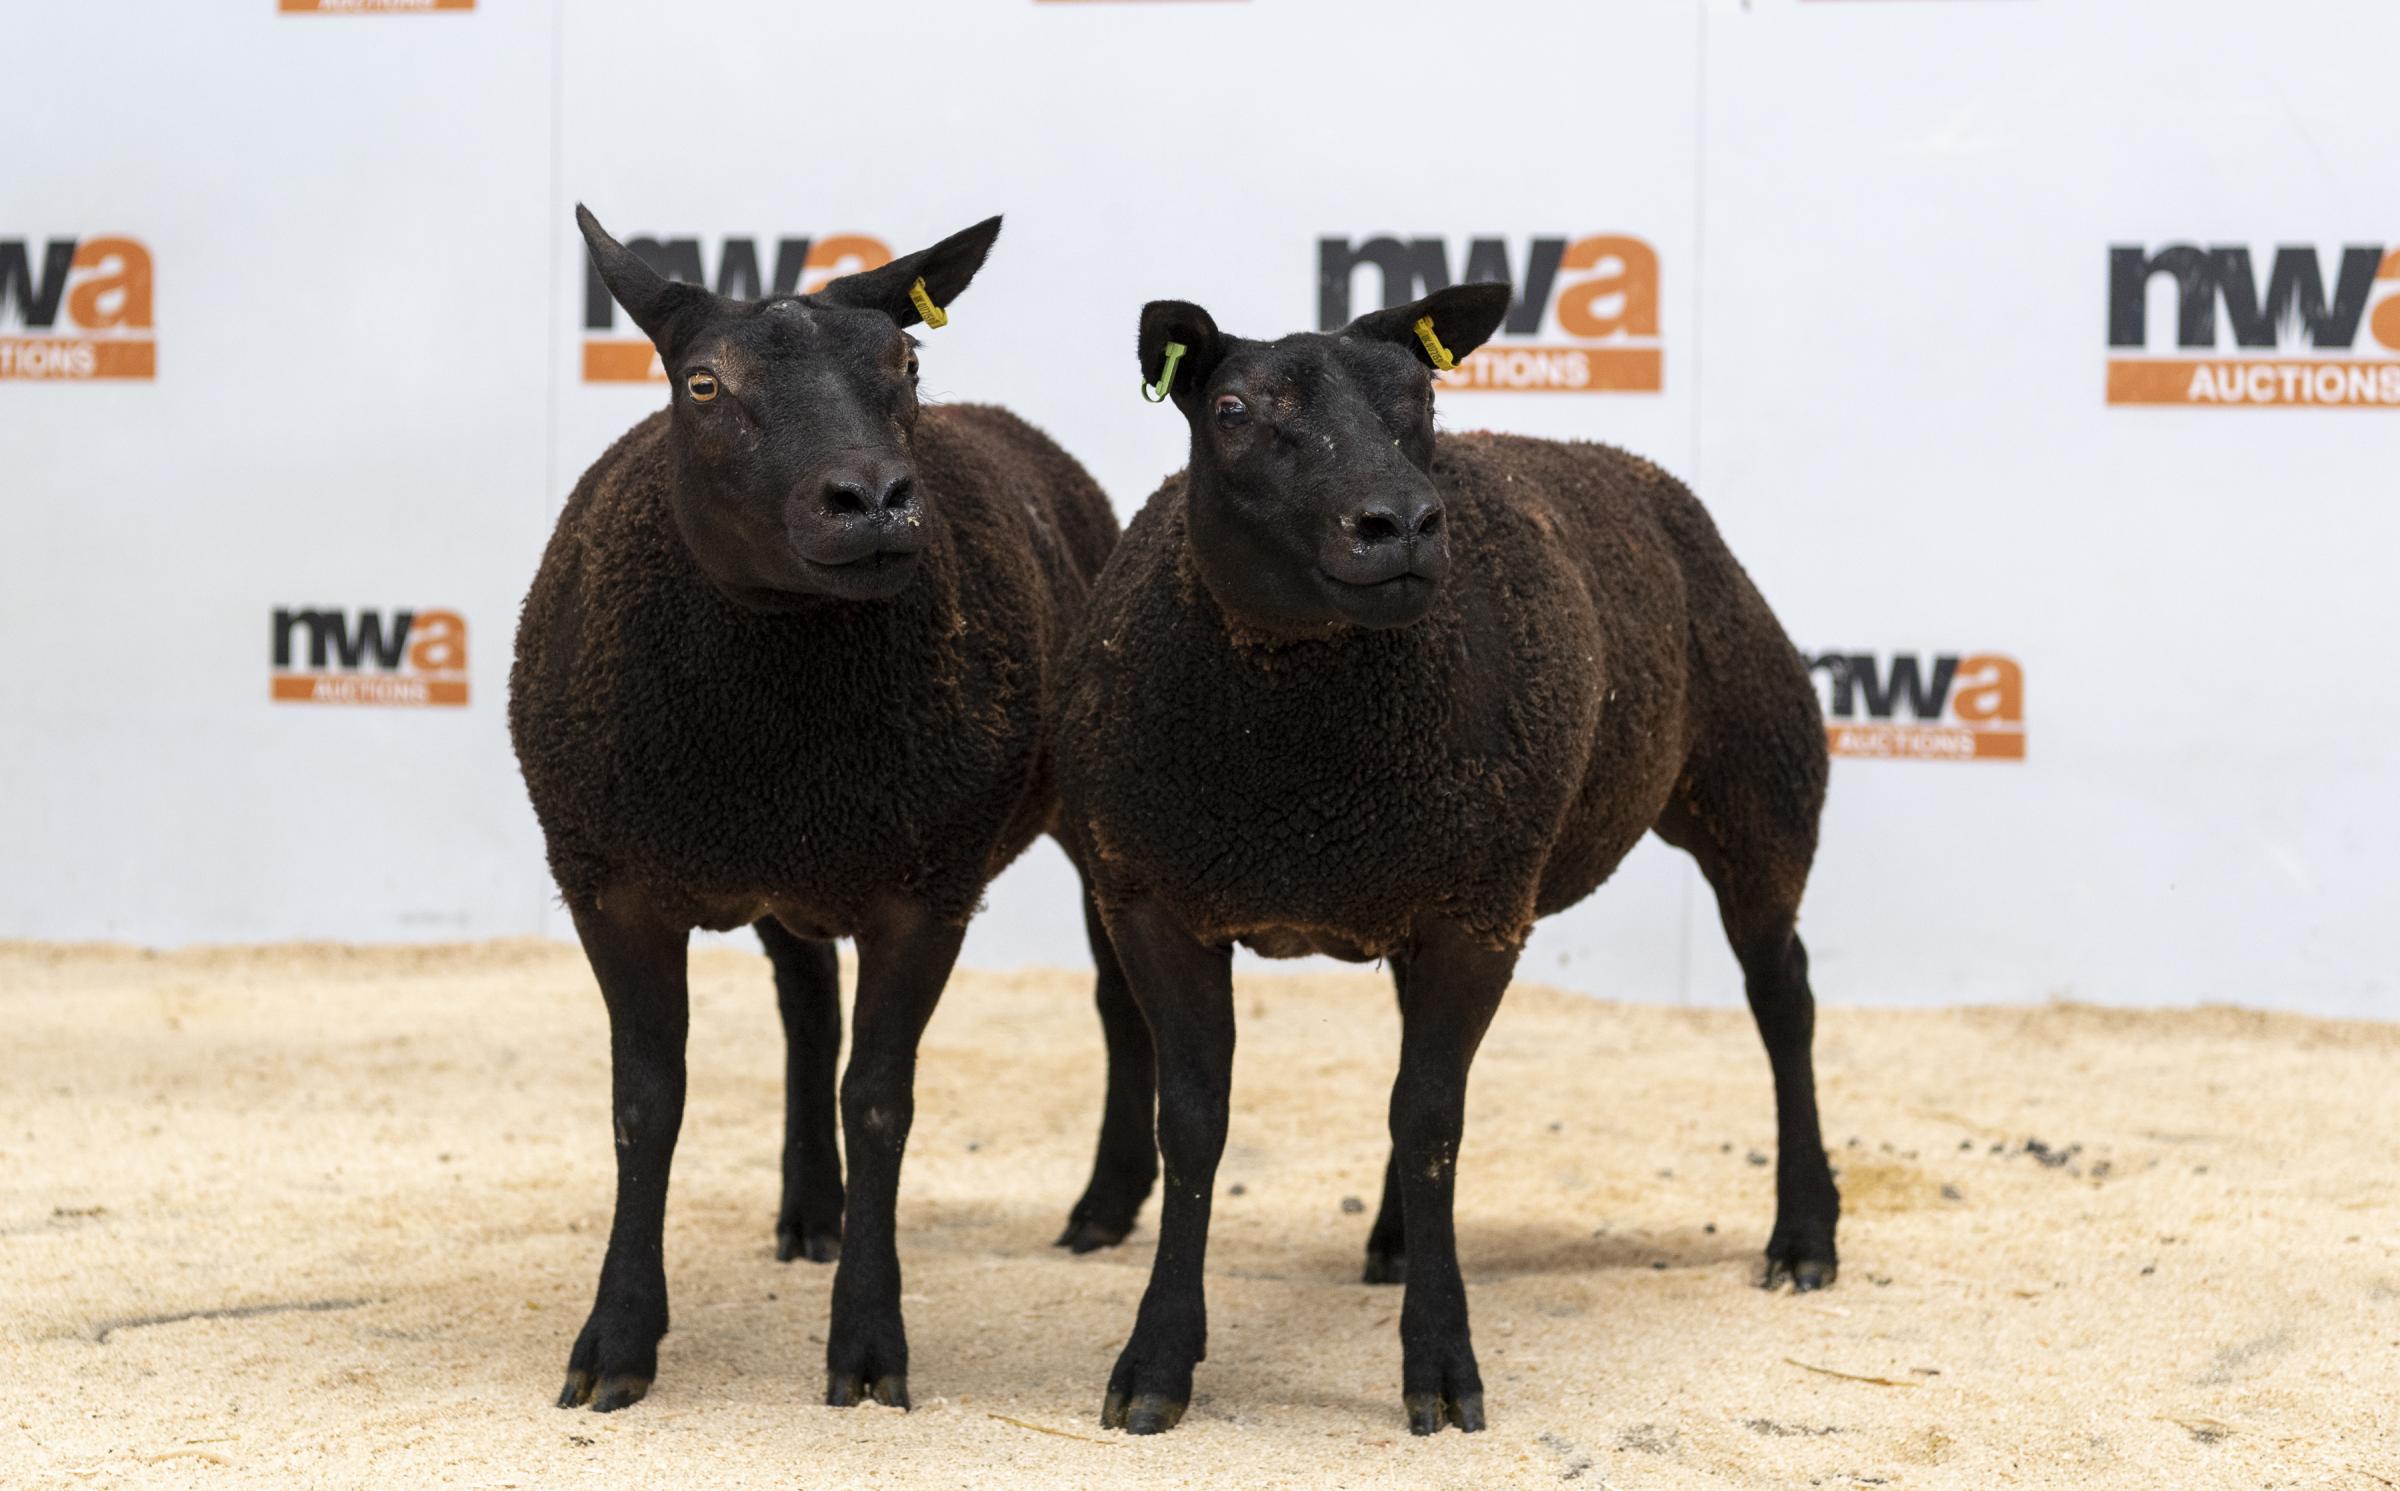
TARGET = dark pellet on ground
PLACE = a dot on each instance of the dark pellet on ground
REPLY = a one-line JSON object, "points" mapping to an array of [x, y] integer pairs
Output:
{"points": [[1787, 1431], [1352, 1206], [1950, 1193], [1710, 1229], [1755, 1158], [1237, 1189]]}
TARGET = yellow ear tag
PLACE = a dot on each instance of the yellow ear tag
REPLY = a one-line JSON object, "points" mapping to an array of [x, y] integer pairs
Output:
{"points": [[934, 315], [1442, 360]]}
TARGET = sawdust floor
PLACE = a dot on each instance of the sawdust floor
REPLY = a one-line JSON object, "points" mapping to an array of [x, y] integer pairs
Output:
{"points": [[320, 1216]]}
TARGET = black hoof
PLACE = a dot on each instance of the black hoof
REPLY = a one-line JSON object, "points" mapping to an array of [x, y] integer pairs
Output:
{"points": [[1152, 1382], [1440, 1384], [849, 1389], [1805, 1275], [1386, 1266], [603, 1394], [866, 1356], [1800, 1249], [816, 1247], [615, 1358], [1086, 1235], [1144, 1413], [1428, 1412]]}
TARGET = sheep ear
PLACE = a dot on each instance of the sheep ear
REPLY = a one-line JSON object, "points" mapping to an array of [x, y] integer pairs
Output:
{"points": [[664, 309], [1464, 318], [1204, 346], [946, 268]]}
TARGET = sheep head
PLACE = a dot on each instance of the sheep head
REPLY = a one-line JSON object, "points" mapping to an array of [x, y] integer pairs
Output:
{"points": [[1311, 504], [790, 420]]}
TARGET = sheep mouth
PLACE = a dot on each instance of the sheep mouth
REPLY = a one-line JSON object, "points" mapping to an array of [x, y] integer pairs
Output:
{"points": [[875, 576], [1395, 567], [875, 563], [1393, 601], [1402, 580], [871, 576], [1406, 583]]}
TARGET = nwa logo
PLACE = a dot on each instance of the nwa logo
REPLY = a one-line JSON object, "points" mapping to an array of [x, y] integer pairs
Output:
{"points": [[789, 266], [2307, 306], [101, 288], [1584, 318], [326, 655], [1919, 706]]}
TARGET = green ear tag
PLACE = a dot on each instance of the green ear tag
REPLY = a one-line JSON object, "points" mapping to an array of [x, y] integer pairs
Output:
{"points": [[1166, 378]]}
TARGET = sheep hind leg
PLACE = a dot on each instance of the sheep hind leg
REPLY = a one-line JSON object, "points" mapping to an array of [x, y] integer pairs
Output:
{"points": [[1758, 899], [1387, 1241], [1126, 1164], [808, 993], [638, 959]]}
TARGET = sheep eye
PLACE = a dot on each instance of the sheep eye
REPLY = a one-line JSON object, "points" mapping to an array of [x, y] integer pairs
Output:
{"points": [[912, 367], [701, 386], [1232, 412]]}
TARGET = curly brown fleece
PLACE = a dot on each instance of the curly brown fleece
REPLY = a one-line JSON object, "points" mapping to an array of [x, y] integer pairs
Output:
{"points": [[714, 755], [1597, 662]]}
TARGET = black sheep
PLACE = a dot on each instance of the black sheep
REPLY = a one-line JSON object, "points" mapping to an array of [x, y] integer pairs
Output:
{"points": [[789, 660], [1345, 689]]}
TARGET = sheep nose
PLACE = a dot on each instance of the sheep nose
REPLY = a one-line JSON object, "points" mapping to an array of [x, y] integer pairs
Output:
{"points": [[1398, 521], [889, 495]]}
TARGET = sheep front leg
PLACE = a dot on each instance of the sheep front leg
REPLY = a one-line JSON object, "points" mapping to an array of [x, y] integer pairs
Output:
{"points": [[904, 957], [638, 958], [1451, 987], [1185, 990]]}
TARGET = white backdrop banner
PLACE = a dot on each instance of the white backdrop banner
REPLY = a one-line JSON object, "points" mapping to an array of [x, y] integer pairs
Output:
{"points": [[2041, 360]]}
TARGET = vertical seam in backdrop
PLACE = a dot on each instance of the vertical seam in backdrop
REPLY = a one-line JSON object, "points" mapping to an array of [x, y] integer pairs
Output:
{"points": [[1696, 268], [550, 238], [550, 345]]}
